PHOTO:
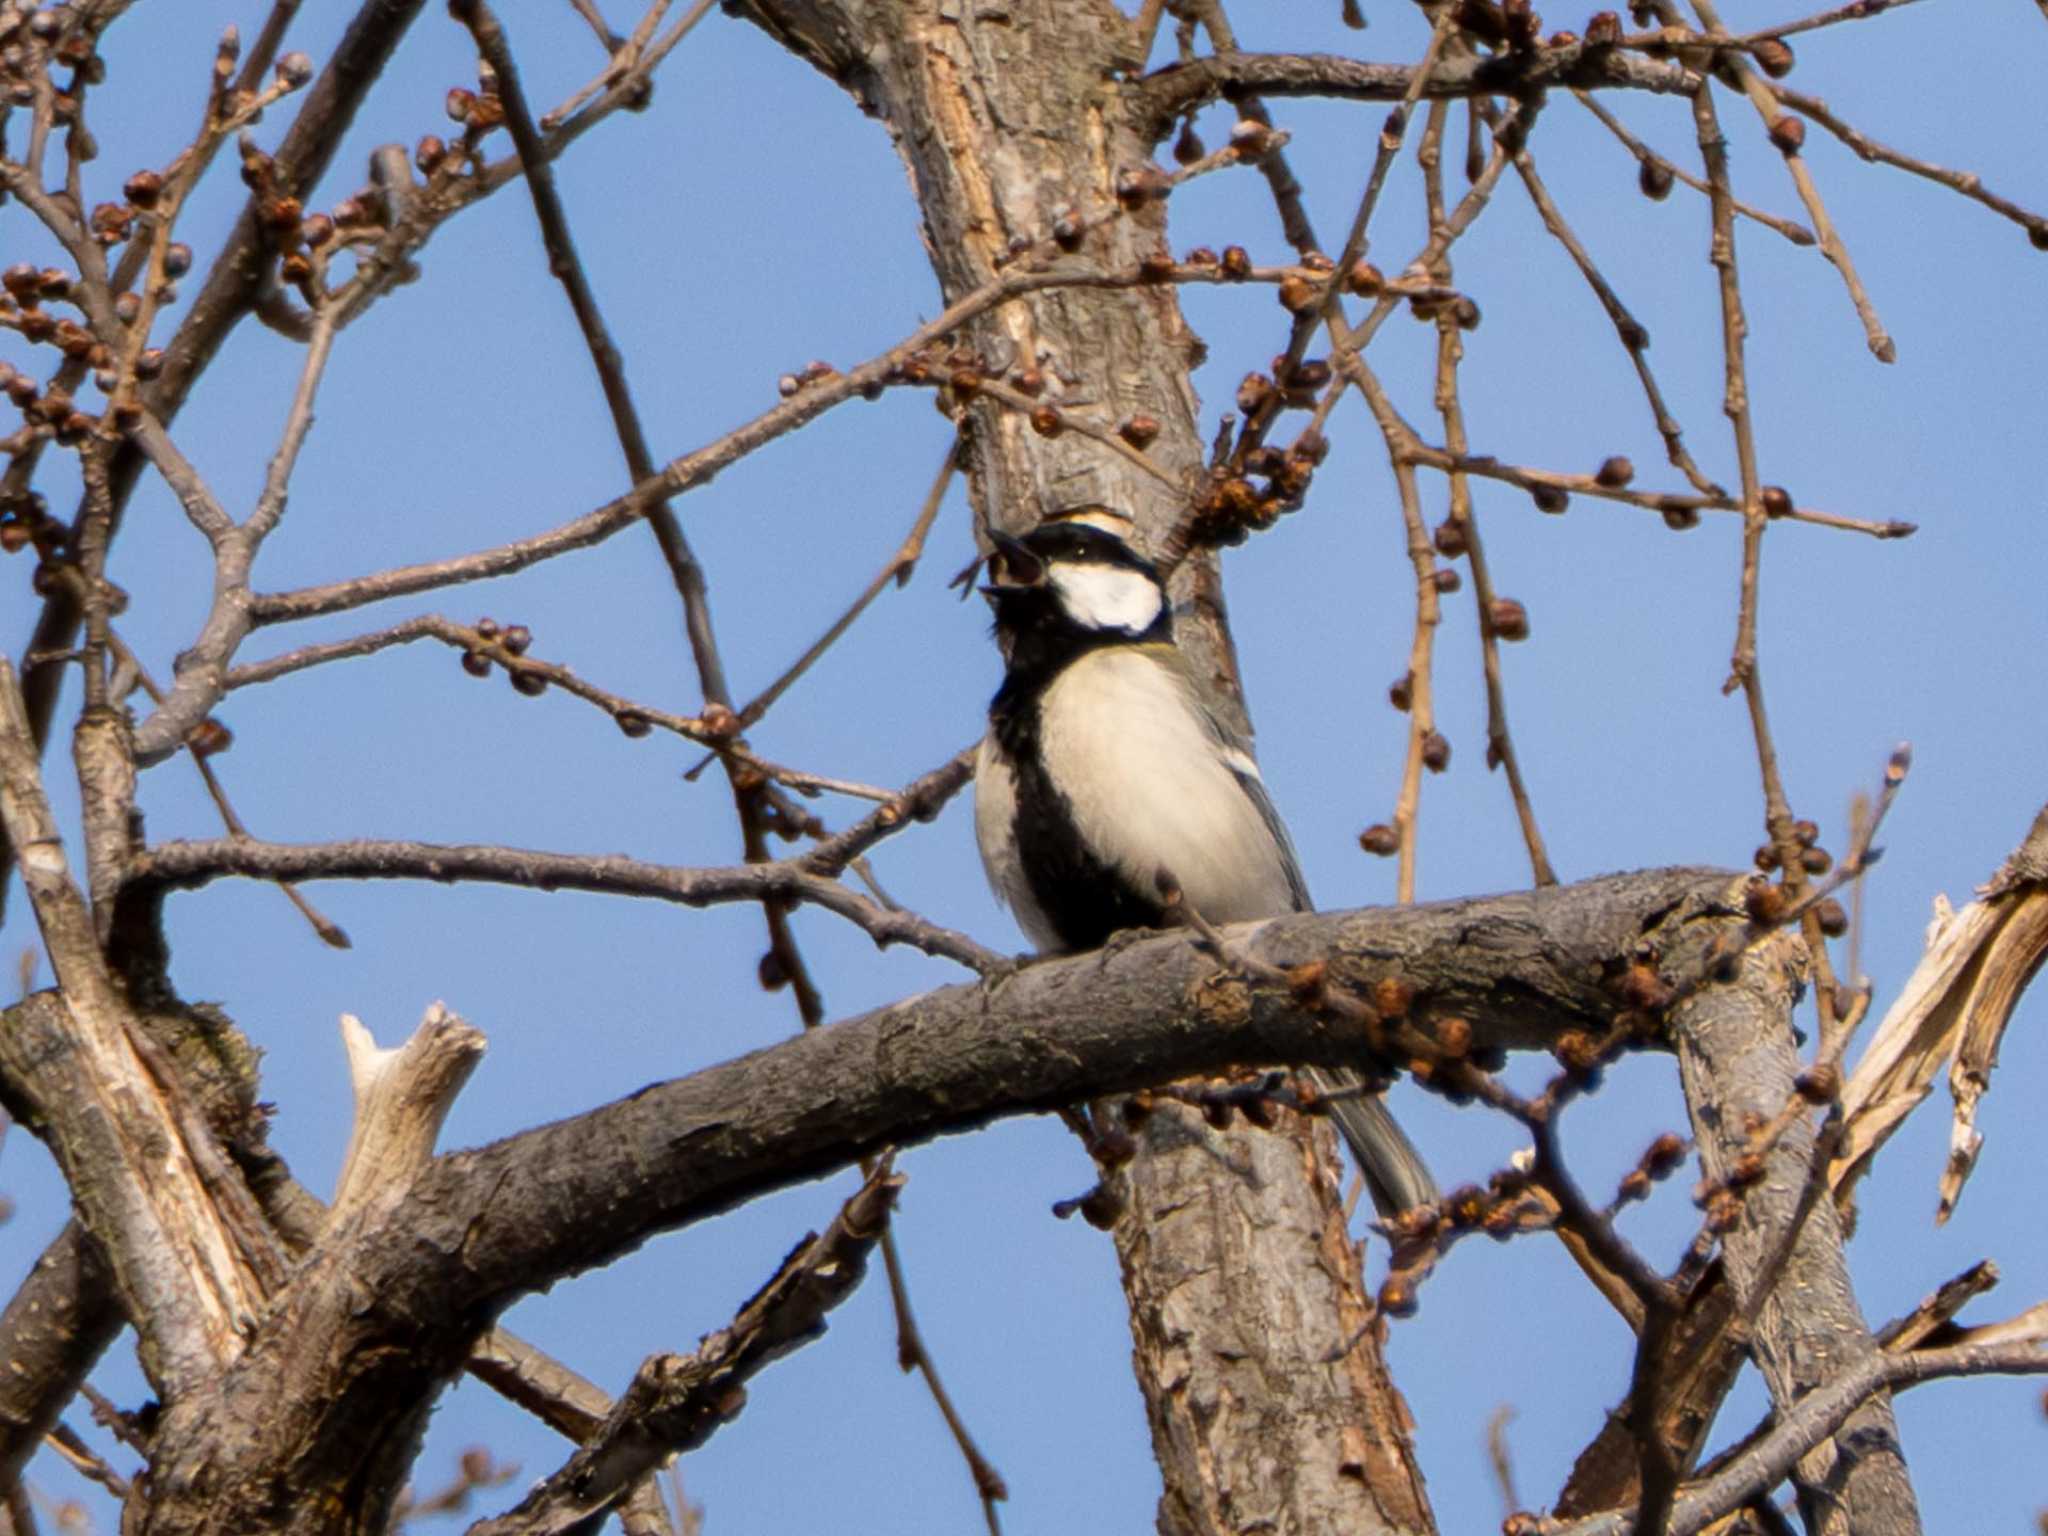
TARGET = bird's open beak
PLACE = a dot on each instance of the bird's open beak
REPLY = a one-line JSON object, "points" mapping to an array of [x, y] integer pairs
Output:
{"points": [[1013, 567]]}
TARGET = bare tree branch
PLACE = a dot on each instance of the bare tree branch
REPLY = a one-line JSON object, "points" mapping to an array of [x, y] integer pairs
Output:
{"points": [[1167, 93], [174, 866]]}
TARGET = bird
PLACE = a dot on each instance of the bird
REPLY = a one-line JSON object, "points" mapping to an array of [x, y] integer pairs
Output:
{"points": [[1103, 772]]}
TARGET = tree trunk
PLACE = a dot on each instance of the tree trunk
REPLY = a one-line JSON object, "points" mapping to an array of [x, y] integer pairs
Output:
{"points": [[1244, 1287]]}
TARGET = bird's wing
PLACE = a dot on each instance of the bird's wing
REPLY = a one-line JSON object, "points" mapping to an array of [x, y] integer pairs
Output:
{"points": [[1236, 753]]}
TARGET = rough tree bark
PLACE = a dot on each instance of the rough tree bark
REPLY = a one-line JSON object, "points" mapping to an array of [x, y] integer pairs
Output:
{"points": [[1784, 1254]]}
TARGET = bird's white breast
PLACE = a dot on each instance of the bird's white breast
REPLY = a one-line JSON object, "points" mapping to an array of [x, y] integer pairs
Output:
{"points": [[1150, 785]]}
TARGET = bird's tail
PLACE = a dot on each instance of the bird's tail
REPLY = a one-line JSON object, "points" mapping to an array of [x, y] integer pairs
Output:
{"points": [[1395, 1174]]}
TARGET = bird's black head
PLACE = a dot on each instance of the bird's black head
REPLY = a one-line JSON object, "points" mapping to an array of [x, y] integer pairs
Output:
{"points": [[1066, 587]]}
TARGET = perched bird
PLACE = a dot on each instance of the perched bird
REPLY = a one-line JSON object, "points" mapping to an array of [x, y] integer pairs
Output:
{"points": [[1103, 767]]}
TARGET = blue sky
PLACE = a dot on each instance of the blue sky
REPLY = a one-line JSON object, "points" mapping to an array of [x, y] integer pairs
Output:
{"points": [[751, 220]]}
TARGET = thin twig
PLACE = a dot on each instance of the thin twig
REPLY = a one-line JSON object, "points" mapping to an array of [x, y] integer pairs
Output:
{"points": [[1965, 182], [1767, 110], [1796, 232], [1500, 746], [1635, 340], [911, 1354], [188, 865]]}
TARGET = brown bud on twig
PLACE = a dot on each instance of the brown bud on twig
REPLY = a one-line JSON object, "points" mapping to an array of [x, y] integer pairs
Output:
{"points": [[1663, 1156], [143, 188], [1820, 1083], [1237, 263], [1046, 422], [1656, 179], [1363, 279], [1766, 857], [476, 663], [1773, 56], [1298, 295], [1679, 519], [1200, 256], [1137, 185], [1436, 752], [209, 737], [1381, 840], [460, 105], [532, 684], [1401, 692], [1549, 498], [294, 70], [1614, 472], [1309, 375], [1392, 997], [1577, 1052], [1140, 431], [518, 639], [1764, 902], [1450, 539], [1816, 861], [1101, 1207], [632, 723], [1775, 500], [1254, 393], [1252, 140], [1788, 133], [1510, 620], [1466, 312], [1642, 987], [1447, 579], [430, 153], [1805, 832], [1187, 145], [1397, 1296], [1603, 30], [1724, 1209]]}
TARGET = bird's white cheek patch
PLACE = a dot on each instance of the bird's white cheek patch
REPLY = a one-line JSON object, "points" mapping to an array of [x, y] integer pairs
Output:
{"points": [[1107, 596]]}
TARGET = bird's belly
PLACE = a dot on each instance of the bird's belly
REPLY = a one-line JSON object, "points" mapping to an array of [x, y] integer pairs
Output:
{"points": [[1125, 747]]}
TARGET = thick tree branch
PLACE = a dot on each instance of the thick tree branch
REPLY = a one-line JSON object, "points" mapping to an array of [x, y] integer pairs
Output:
{"points": [[1168, 93], [142, 1164], [1784, 1253], [1519, 969], [380, 1322], [52, 1333]]}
